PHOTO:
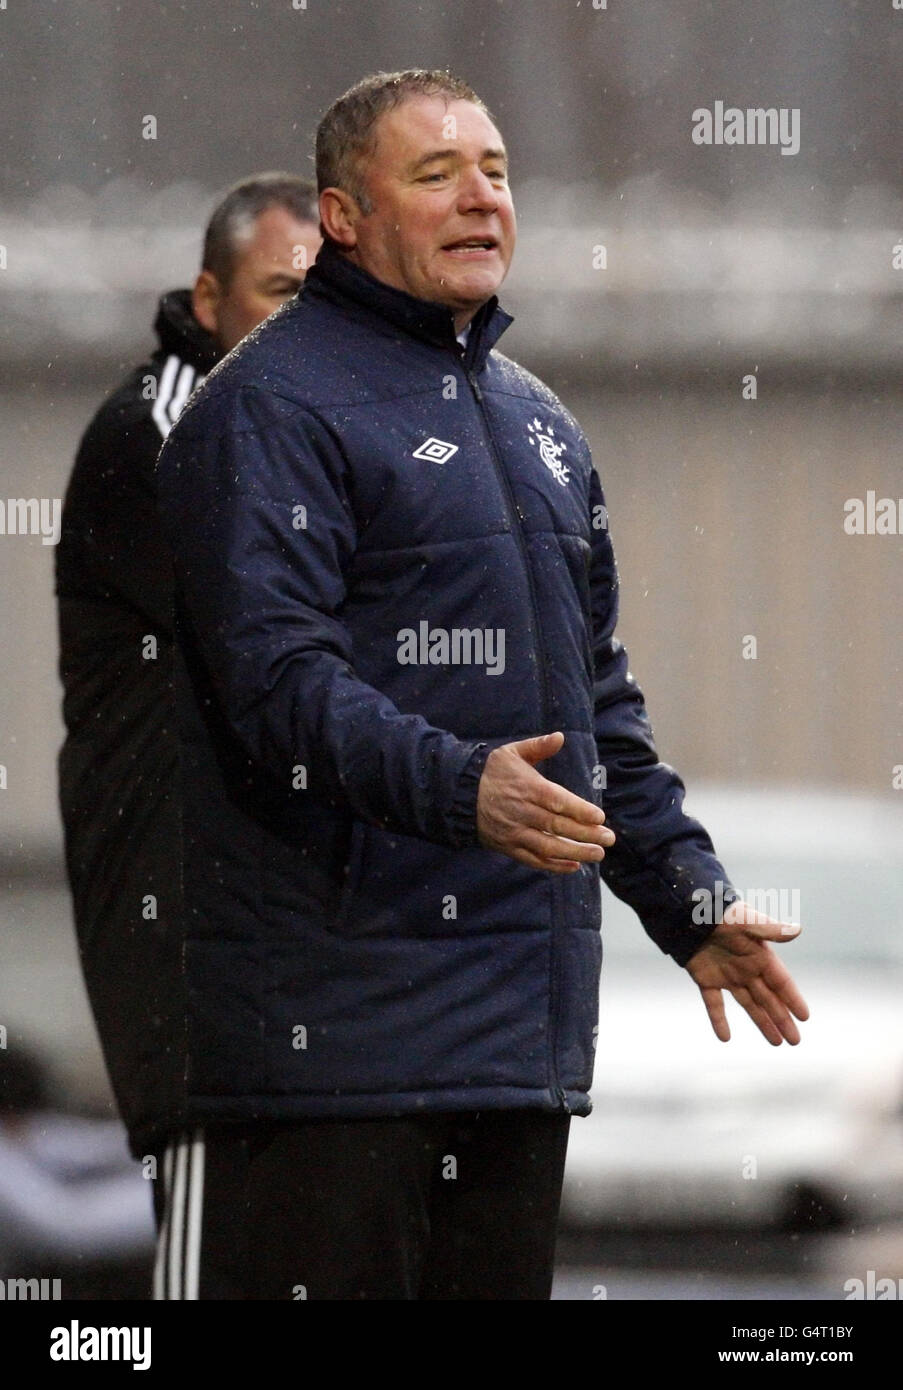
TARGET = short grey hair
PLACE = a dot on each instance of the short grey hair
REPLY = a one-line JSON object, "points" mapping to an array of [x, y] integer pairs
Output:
{"points": [[232, 220], [346, 134]]}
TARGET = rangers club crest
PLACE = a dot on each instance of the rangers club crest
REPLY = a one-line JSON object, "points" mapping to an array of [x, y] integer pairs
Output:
{"points": [[550, 450]]}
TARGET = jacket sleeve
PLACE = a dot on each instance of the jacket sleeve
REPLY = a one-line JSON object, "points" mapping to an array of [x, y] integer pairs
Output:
{"points": [[661, 855], [254, 496], [111, 542]]}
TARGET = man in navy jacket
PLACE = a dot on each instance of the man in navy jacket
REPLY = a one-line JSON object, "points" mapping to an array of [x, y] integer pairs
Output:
{"points": [[402, 709]]}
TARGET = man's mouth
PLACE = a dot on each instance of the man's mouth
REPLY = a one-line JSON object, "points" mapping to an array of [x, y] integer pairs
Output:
{"points": [[472, 246]]}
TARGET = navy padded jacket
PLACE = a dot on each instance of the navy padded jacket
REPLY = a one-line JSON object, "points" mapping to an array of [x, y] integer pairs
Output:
{"points": [[391, 556]]}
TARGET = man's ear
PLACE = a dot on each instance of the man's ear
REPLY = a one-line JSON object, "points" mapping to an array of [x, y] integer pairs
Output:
{"points": [[205, 301], [339, 216]]}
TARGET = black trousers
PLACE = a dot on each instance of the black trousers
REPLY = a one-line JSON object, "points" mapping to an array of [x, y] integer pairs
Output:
{"points": [[440, 1206]]}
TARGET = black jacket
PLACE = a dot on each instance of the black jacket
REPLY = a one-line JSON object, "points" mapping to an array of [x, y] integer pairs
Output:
{"points": [[117, 764], [391, 555]]}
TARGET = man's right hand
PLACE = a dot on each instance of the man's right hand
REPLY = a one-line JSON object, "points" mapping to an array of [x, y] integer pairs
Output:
{"points": [[537, 822]]}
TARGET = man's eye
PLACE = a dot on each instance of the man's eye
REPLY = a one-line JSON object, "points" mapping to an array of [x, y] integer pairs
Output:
{"points": [[428, 178], [496, 174]]}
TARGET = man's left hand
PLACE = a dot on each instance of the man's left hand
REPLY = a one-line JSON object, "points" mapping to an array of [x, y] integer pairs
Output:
{"points": [[738, 958]]}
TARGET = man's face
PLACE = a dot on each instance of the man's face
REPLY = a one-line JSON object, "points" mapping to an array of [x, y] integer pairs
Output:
{"points": [[268, 268], [442, 226]]}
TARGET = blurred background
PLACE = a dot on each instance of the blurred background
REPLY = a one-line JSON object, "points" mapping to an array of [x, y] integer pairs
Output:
{"points": [[725, 322]]}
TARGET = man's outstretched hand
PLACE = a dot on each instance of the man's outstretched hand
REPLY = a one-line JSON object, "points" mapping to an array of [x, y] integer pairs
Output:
{"points": [[738, 958], [523, 814], [537, 822]]}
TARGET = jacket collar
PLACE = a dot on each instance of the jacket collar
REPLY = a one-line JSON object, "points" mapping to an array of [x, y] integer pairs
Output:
{"points": [[334, 277], [180, 333]]}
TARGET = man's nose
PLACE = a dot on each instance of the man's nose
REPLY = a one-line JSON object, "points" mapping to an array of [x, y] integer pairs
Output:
{"points": [[478, 192]]}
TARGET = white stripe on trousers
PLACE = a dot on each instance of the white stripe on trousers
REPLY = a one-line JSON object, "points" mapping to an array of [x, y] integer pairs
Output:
{"points": [[177, 1265]]}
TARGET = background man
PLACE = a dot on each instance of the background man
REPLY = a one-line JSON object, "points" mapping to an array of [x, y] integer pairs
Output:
{"points": [[114, 586], [392, 929]]}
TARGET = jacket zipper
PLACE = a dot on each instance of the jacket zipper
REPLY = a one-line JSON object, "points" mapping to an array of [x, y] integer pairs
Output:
{"points": [[515, 517]]}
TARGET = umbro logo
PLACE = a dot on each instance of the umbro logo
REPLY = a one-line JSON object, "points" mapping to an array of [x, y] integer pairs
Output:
{"points": [[436, 450]]}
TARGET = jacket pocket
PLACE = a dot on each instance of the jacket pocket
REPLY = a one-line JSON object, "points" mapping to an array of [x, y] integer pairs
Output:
{"points": [[402, 887], [352, 873]]}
